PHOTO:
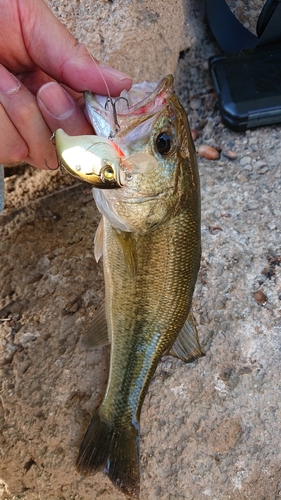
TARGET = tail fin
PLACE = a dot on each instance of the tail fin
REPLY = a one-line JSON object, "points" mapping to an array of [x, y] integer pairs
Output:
{"points": [[114, 451]]}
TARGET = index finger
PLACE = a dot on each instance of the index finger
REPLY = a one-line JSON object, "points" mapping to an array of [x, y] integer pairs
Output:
{"points": [[54, 50]]}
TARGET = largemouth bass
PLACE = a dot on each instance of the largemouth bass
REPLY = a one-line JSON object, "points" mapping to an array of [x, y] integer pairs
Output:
{"points": [[150, 240]]}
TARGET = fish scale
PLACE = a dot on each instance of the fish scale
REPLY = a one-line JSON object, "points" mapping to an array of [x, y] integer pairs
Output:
{"points": [[163, 297]]}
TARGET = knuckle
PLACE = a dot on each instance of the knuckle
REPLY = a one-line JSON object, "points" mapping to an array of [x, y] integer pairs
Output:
{"points": [[19, 155], [14, 152]]}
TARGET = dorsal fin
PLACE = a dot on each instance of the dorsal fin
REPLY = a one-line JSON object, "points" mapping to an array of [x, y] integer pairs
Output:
{"points": [[186, 346]]}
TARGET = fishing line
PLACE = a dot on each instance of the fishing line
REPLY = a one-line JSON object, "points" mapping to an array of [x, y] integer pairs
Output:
{"points": [[103, 79], [116, 126]]}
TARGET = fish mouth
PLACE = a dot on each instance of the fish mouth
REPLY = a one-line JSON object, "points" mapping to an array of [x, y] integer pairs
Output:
{"points": [[117, 118]]}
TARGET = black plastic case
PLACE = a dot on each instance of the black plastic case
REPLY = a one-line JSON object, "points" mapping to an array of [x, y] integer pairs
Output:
{"points": [[248, 87]]}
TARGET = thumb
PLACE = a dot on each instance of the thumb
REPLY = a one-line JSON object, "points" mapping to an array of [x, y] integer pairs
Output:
{"points": [[54, 50]]}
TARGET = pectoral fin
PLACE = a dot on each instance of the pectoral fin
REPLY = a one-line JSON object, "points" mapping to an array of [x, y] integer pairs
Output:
{"points": [[96, 334], [128, 245], [187, 347], [98, 241]]}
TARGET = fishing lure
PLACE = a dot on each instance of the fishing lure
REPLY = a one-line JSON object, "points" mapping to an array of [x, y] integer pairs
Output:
{"points": [[99, 161]]}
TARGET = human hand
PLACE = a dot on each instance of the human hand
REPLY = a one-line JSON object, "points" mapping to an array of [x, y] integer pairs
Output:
{"points": [[37, 52]]}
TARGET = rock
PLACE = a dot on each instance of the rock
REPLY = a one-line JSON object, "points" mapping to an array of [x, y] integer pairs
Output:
{"points": [[230, 154], [208, 152], [195, 103], [122, 34], [260, 164], [263, 170], [245, 161], [194, 134], [248, 167], [260, 297]]}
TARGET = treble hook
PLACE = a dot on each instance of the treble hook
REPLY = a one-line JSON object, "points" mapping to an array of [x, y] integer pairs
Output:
{"points": [[115, 119], [53, 141]]}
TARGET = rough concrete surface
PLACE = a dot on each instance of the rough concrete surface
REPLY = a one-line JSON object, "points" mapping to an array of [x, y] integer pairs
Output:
{"points": [[209, 430], [138, 37]]}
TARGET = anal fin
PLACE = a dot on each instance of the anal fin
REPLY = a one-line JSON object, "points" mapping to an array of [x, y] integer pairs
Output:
{"points": [[187, 346], [96, 334]]}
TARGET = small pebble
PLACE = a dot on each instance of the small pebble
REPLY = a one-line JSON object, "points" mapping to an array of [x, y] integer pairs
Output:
{"points": [[230, 154], [202, 123], [260, 163], [208, 152], [194, 134], [245, 160], [248, 167], [252, 205], [260, 297], [253, 140], [195, 103], [215, 229], [263, 170]]}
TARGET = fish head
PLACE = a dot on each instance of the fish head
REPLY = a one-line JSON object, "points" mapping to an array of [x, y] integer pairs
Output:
{"points": [[159, 157], [143, 146]]}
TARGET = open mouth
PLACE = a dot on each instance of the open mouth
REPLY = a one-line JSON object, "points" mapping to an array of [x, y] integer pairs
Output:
{"points": [[117, 117]]}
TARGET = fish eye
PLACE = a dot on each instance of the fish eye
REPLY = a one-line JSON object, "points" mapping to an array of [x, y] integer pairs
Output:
{"points": [[163, 143], [107, 173]]}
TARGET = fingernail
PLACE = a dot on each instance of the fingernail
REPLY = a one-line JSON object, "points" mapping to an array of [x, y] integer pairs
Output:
{"points": [[8, 82], [115, 72], [56, 100]]}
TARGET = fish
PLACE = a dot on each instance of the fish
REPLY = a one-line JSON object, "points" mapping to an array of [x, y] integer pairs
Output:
{"points": [[149, 237]]}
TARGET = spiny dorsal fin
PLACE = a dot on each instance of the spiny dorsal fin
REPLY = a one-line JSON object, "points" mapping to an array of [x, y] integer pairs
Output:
{"points": [[128, 245], [96, 334], [98, 241], [186, 346]]}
